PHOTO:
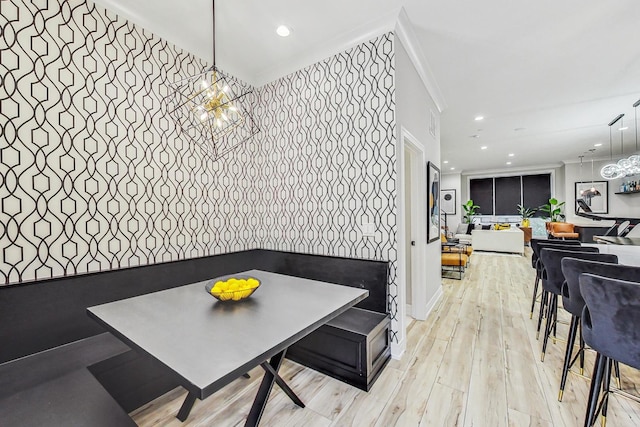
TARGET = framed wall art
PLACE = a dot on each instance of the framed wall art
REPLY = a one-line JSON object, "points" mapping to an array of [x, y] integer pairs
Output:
{"points": [[433, 203], [448, 201], [595, 194]]}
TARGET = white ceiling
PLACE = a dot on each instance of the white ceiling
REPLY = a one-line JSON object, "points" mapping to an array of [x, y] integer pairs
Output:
{"points": [[559, 69]]}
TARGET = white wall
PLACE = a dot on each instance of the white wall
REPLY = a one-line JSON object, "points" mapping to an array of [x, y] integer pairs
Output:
{"points": [[413, 109]]}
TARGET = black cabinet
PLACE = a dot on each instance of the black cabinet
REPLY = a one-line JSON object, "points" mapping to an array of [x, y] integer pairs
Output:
{"points": [[354, 347]]}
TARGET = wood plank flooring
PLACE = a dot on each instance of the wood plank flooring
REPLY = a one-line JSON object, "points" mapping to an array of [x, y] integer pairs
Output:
{"points": [[474, 362]]}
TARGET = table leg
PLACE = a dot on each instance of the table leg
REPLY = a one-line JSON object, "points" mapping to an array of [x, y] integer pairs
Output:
{"points": [[270, 376], [185, 409], [283, 385]]}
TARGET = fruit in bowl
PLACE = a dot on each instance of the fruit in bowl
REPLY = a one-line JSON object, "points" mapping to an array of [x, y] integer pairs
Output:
{"points": [[233, 288]]}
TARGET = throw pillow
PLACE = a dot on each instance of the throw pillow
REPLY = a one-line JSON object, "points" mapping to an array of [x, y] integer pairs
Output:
{"points": [[462, 229]]}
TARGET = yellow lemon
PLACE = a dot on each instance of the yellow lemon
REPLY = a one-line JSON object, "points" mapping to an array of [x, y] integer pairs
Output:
{"points": [[252, 282], [216, 289]]}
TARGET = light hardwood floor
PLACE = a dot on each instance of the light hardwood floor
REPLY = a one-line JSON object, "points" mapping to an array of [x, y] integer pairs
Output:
{"points": [[474, 362]]}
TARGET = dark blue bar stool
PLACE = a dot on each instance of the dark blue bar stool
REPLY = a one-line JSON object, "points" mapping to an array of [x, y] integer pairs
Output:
{"points": [[538, 267], [610, 326], [545, 294], [552, 287], [573, 302]]}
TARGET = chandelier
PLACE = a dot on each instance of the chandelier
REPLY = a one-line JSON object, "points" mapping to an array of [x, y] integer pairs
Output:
{"points": [[212, 108], [626, 166]]}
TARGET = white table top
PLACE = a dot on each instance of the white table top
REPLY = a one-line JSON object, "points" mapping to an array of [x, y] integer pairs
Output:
{"points": [[210, 343]]}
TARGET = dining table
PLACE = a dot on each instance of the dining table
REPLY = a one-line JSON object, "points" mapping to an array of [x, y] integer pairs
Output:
{"points": [[209, 343]]}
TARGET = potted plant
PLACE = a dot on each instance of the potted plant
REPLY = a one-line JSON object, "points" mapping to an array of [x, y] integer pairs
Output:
{"points": [[469, 211], [526, 213], [553, 209]]}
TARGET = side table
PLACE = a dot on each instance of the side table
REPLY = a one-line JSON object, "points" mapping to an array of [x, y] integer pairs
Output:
{"points": [[527, 234]]}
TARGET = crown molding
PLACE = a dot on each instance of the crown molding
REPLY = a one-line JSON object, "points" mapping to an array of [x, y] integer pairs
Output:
{"points": [[407, 36], [327, 49]]}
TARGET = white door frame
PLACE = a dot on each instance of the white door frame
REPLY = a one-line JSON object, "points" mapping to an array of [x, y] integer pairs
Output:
{"points": [[418, 219]]}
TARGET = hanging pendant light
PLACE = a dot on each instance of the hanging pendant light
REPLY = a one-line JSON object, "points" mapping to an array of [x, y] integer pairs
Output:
{"points": [[625, 167], [213, 108], [612, 170]]}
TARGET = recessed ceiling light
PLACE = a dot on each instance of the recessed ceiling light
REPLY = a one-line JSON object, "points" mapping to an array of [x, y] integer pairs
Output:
{"points": [[445, 161], [624, 128], [452, 168], [508, 163], [475, 136], [484, 147], [283, 31], [597, 145], [478, 118], [511, 154]]}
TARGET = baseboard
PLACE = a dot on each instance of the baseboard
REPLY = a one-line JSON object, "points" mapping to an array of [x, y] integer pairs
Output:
{"points": [[397, 350], [434, 300]]}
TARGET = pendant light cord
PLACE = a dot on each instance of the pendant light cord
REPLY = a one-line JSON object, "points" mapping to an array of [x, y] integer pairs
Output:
{"points": [[621, 137], [214, 31], [635, 111], [610, 145]]}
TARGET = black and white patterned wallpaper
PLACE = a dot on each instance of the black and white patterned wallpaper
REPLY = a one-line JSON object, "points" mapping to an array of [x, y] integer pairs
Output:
{"points": [[327, 157], [94, 174]]}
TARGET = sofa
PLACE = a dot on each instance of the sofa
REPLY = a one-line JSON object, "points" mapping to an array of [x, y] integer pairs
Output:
{"points": [[510, 240]]}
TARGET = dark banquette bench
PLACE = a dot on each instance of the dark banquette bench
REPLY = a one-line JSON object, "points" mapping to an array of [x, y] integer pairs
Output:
{"points": [[59, 367]]}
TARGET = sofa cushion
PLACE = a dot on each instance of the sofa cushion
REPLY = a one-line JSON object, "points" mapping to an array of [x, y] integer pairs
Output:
{"points": [[462, 228]]}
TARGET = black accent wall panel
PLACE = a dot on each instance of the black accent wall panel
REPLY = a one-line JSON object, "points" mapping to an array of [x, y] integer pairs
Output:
{"points": [[507, 195], [536, 190], [481, 191]]}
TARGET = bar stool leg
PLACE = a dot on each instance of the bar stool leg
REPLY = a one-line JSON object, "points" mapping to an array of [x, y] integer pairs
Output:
{"points": [[555, 320], [553, 303], [616, 367], [606, 381], [535, 293], [594, 390], [571, 339], [581, 352], [543, 303]]}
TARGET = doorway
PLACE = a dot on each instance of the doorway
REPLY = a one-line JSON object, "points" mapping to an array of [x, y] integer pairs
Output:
{"points": [[413, 190], [409, 235]]}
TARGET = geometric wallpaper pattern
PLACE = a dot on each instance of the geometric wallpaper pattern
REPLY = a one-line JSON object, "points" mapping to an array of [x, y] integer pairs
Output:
{"points": [[326, 158], [95, 175]]}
